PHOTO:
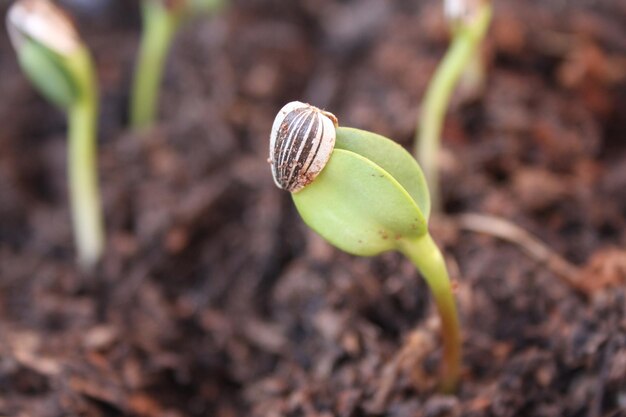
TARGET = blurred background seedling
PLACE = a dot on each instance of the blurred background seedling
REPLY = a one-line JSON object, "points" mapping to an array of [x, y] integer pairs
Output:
{"points": [[161, 21], [58, 63], [468, 21]]}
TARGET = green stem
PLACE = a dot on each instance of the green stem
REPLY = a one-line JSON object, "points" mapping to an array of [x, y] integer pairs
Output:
{"points": [[427, 258], [159, 27], [465, 44], [83, 178]]}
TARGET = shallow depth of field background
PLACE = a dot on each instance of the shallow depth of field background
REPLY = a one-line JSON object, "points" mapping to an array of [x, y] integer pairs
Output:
{"points": [[214, 299]]}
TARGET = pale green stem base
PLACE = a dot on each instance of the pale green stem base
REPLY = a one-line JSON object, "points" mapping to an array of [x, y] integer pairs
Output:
{"points": [[82, 172], [427, 258], [427, 141], [159, 27]]}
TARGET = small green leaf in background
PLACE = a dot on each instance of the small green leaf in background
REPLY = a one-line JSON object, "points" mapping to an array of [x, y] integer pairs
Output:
{"points": [[46, 71]]}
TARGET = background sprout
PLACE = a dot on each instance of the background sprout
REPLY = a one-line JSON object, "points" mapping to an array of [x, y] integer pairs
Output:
{"points": [[161, 20], [370, 197], [57, 62], [459, 14], [469, 20]]}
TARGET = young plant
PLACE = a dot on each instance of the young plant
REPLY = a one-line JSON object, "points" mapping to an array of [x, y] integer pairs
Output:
{"points": [[58, 63], [161, 20], [366, 195], [469, 20]]}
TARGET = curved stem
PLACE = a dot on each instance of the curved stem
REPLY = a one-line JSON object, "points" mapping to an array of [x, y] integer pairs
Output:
{"points": [[159, 27], [82, 164], [427, 258], [466, 41]]}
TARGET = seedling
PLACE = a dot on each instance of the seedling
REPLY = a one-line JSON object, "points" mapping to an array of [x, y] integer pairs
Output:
{"points": [[366, 195], [59, 64], [469, 20], [459, 14], [161, 21]]}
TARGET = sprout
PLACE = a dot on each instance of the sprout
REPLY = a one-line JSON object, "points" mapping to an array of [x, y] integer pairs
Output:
{"points": [[370, 197], [161, 20], [57, 62], [469, 20]]}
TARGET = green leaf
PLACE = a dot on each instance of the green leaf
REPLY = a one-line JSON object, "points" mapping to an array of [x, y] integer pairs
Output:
{"points": [[358, 206], [390, 156], [47, 72]]}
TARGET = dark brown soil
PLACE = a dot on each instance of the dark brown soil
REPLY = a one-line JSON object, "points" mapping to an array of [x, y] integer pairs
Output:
{"points": [[215, 300]]}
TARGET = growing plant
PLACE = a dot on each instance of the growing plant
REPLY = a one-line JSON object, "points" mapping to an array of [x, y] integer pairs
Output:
{"points": [[58, 63], [366, 195], [161, 21], [469, 21]]}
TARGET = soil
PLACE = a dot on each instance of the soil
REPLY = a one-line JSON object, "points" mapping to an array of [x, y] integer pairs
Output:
{"points": [[215, 300]]}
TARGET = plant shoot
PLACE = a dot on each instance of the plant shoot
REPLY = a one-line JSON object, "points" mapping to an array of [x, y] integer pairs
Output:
{"points": [[161, 20], [469, 21], [58, 63], [369, 197]]}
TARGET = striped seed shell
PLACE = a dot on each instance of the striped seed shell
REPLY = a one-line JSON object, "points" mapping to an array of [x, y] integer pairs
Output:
{"points": [[43, 22], [301, 142]]}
